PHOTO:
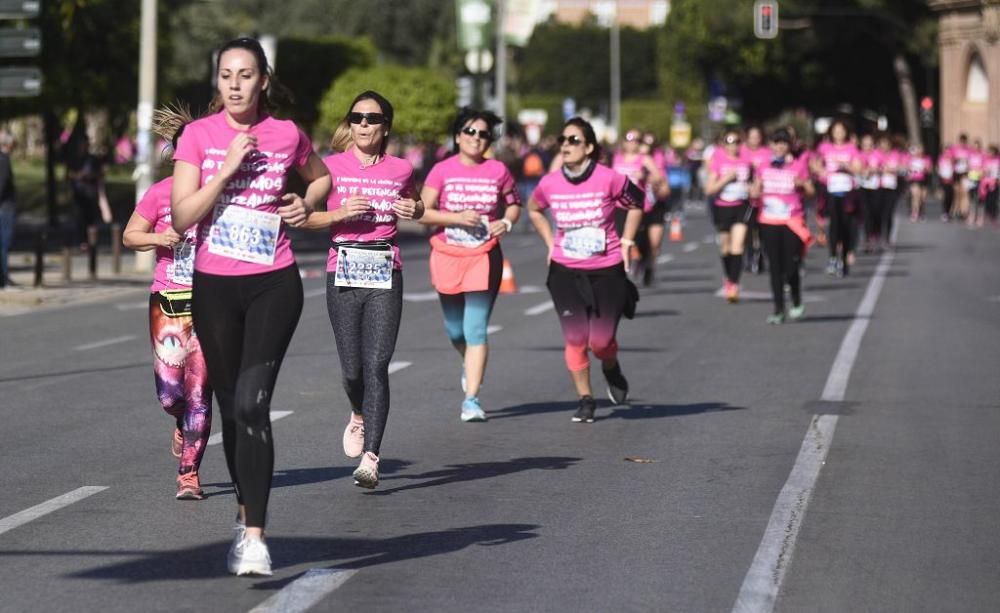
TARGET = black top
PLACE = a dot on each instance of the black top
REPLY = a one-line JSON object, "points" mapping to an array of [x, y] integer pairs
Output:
{"points": [[7, 193]]}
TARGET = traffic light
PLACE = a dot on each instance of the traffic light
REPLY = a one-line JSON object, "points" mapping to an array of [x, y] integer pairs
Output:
{"points": [[927, 111], [765, 18]]}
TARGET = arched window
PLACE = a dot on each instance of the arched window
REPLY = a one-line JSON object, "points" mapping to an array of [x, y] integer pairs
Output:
{"points": [[977, 85]]}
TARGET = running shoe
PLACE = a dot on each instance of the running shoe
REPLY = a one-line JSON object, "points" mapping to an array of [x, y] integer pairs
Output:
{"points": [[354, 438], [366, 474], [585, 411], [239, 533], [732, 292], [471, 411], [776, 319], [647, 277], [797, 312], [831, 266], [177, 443], [617, 384], [189, 486], [251, 557]]}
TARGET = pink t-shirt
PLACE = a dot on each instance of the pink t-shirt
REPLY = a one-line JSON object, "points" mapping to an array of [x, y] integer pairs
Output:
{"points": [[636, 171], [976, 158], [960, 158], [383, 183], [482, 188], [891, 164], [917, 167], [584, 214], [779, 197], [735, 192], [173, 265], [837, 160], [243, 234], [758, 157]]}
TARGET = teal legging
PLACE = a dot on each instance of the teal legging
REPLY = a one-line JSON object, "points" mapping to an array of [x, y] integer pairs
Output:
{"points": [[466, 316]]}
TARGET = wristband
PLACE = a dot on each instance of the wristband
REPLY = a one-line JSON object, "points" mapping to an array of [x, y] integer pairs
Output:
{"points": [[507, 222], [628, 242]]}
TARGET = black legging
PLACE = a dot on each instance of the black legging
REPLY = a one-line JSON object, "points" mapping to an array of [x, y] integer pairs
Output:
{"points": [[784, 255], [244, 324], [841, 226], [365, 326], [889, 198], [871, 204], [948, 191]]}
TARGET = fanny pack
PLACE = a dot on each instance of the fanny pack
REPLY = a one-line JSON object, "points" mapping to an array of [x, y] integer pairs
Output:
{"points": [[175, 302]]}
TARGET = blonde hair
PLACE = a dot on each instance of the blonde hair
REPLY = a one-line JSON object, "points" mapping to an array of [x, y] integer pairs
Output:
{"points": [[169, 121], [342, 139]]}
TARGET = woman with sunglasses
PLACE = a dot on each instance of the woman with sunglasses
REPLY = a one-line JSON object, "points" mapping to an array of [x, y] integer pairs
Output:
{"points": [[756, 150], [640, 168], [478, 204], [588, 262], [780, 186], [364, 281], [836, 163], [230, 173], [728, 185]]}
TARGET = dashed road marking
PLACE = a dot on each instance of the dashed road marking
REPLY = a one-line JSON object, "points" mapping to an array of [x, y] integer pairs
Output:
{"points": [[493, 329], [216, 438], [538, 309], [49, 506], [689, 247], [105, 342], [306, 591], [398, 366]]}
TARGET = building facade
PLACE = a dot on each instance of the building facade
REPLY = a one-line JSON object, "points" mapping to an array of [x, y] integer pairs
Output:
{"points": [[639, 14], [969, 42]]}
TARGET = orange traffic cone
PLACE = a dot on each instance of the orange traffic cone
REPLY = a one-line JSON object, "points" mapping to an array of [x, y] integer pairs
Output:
{"points": [[507, 283], [676, 231]]}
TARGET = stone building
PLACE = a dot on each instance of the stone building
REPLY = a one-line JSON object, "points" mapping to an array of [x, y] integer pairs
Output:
{"points": [[969, 40]]}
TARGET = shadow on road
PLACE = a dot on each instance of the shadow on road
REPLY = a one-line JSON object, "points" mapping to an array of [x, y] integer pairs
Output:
{"points": [[305, 476], [456, 473], [77, 371], [637, 410], [639, 314], [209, 560]]}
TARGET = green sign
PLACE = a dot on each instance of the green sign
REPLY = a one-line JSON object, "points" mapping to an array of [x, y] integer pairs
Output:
{"points": [[20, 42], [475, 23], [20, 82], [20, 9]]}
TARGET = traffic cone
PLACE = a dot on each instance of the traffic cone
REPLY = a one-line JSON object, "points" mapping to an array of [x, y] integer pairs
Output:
{"points": [[676, 231], [507, 283]]}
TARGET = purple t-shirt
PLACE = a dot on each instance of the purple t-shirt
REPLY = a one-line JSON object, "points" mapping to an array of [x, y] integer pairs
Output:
{"points": [[384, 182], [584, 214], [173, 265], [482, 188], [243, 234]]}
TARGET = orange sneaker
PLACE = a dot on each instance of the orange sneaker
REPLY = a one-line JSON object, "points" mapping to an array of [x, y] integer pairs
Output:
{"points": [[189, 486], [177, 444]]}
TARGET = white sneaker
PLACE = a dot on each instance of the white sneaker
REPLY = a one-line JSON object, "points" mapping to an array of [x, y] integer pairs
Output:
{"points": [[251, 557], [239, 533]]}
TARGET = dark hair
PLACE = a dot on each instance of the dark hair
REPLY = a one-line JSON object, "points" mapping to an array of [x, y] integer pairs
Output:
{"points": [[589, 137], [383, 104], [467, 115], [273, 96], [781, 135], [842, 123]]}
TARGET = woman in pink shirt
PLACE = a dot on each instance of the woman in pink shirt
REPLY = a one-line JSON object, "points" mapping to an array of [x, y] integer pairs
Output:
{"points": [[179, 370], [472, 202], [231, 169], [868, 192], [836, 164], [946, 176], [364, 280], [640, 168], [918, 174], [588, 262], [988, 184], [728, 188], [959, 156], [759, 153], [780, 186], [889, 168]]}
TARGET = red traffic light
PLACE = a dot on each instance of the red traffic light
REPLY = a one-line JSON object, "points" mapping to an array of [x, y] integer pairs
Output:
{"points": [[926, 103]]}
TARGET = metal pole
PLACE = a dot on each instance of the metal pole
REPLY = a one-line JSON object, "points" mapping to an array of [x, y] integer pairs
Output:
{"points": [[501, 69], [616, 75], [145, 162]]}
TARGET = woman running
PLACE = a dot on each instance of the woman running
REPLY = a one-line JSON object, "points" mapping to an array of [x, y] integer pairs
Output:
{"points": [[959, 155], [178, 364], [230, 173], [836, 164], [976, 160], [478, 204], [756, 150], [988, 188], [588, 262], [781, 185], [890, 166], [869, 195], [918, 173], [642, 171], [946, 176], [364, 280], [728, 186], [655, 209]]}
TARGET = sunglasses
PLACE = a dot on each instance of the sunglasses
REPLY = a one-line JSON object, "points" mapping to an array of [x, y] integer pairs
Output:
{"points": [[573, 139], [631, 136], [373, 119], [483, 134], [732, 140]]}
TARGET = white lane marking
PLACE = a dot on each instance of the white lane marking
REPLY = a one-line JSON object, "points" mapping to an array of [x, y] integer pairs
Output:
{"points": [[493, 329], [993, 299], [306, 591], [710, 239], [398, 366], [19, 519], [420, 296], [530, 289], [666, 258], [132, 306], [216, 438], [316, 291], [774, 555], [106, 342], [689, 247], [538, 309], [755, 295]]}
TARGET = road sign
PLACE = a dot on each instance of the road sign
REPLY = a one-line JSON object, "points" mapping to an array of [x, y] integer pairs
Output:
{"points": [[20, 82], [20, 42], [475, 21], [568, 108], [20, 9], [765, 18]]}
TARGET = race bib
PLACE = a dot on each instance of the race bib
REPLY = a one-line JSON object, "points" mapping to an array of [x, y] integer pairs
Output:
{"points": [[364, 268], [961, 165], [889, 180], [839, 183], [776, 208], [181, 270], [945, 171], [582, 243], [468, 237], [870, 182], [735, 191], [244, 234]]}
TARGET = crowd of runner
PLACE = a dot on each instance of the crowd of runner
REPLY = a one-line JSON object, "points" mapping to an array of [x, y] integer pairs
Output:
{"points": [[227, 294]]}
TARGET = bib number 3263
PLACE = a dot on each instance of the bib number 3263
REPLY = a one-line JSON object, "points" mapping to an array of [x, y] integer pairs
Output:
{"points": [[244, 234]]}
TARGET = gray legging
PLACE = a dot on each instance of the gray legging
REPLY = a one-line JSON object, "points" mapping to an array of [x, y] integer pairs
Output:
{"points": [[365, 325]]}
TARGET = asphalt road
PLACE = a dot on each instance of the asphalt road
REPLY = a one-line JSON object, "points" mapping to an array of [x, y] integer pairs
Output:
{"points": [[530, 512]]}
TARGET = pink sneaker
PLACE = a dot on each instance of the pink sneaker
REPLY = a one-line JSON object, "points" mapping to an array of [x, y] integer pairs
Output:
{"points": [[177, 443], [354, 438], [366, 474], [732, 292]]}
